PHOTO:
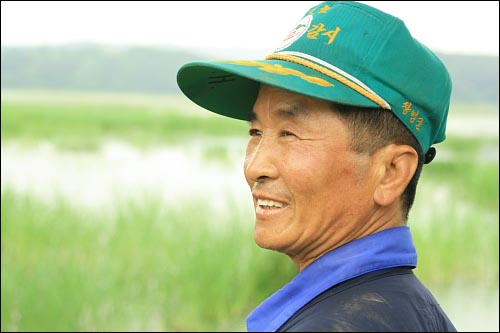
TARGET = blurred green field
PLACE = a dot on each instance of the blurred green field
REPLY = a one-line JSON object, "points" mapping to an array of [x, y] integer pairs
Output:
{"points": [[83, 121], [147, 266]]}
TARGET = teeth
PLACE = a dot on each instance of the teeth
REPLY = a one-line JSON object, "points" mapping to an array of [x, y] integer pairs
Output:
{"points": [[270, 203]]}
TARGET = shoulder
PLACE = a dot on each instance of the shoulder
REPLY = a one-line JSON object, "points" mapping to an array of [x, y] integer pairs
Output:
{"points": [[388, 300]]}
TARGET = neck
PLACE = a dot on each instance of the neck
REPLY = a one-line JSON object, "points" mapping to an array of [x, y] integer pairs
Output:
{"points": [[342, 233]]}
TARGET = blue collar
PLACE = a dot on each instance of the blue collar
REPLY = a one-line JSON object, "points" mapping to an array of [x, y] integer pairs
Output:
{"points": [[389, 248]]}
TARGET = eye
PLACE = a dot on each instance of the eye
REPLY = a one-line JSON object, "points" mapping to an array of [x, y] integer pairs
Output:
{"points": [[254, 132], [287, 133]]}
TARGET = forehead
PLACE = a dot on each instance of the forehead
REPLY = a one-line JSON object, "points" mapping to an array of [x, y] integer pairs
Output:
{"points": [[284, 104]]}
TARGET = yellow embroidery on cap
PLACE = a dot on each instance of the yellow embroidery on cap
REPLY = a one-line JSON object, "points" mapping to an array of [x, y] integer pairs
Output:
{"points": [[409, 111], [332, 34], [314, 32], [414, 116], [407, 107], [420, 122], [318, 29], [324, 9], [279, 69], [368, 94]]}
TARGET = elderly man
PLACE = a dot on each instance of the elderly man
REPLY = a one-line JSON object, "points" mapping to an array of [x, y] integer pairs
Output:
{"points": [[343, 115]]}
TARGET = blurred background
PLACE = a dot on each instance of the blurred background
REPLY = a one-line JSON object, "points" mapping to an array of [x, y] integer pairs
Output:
{"points": [[124, 206]]}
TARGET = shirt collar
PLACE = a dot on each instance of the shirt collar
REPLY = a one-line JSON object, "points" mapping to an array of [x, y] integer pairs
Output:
{"points": [[385, 249]]}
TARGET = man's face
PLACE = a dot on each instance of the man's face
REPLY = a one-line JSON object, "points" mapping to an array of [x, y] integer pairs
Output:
{"points": [[311, 192]]}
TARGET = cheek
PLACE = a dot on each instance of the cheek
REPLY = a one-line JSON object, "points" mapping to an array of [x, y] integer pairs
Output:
{"points": [[325, 179], [311, 172], [249, 181], [248, 158]]}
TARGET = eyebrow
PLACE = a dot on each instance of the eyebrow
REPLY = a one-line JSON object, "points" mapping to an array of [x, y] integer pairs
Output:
{"points": [[291, 111]]}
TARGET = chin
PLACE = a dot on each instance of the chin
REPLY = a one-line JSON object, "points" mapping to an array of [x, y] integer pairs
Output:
{"points": [[263, 240]]}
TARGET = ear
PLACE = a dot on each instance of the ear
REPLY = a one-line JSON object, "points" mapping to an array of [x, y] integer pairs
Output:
{"points": [[395, 167]]}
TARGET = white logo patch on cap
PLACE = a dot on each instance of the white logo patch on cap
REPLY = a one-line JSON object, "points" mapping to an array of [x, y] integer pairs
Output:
{"points": [[300, 28]]}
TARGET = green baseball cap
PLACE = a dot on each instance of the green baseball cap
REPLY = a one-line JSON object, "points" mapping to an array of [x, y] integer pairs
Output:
{"points": [[341, 51]]}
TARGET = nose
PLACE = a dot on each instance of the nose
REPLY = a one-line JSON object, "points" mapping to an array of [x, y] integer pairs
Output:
{"points": [[261, 161]]}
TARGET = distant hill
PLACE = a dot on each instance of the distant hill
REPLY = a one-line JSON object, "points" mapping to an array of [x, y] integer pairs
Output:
{"points": [[153, 69], [93, 68], [475, 78]]}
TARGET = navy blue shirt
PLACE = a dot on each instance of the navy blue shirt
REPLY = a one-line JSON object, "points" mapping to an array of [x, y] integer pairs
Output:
{"points": [[365, 285]]}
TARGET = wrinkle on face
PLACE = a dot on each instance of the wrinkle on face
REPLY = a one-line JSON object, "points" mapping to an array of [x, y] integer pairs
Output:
{"points": [[300, 153]]}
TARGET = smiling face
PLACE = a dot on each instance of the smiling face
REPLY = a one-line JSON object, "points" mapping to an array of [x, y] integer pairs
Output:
{"points": [[311, 192]]}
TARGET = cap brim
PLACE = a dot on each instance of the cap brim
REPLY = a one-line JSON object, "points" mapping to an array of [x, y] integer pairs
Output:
{"points": [[230, 88]]}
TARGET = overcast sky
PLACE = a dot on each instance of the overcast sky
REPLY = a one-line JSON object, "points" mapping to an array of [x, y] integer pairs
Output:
{"points": [[450, 27]]}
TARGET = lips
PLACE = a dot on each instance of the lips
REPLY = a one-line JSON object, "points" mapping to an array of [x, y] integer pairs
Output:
{"points": [[270, 203], [267, 206]]}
